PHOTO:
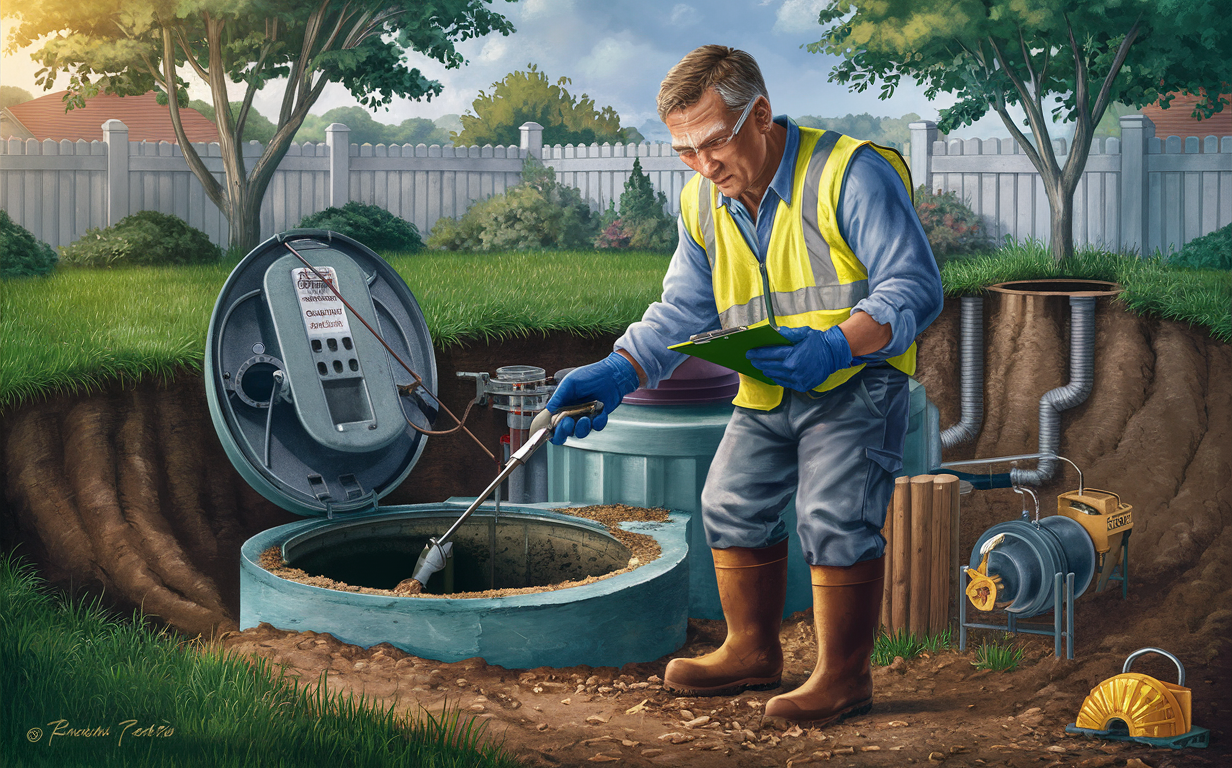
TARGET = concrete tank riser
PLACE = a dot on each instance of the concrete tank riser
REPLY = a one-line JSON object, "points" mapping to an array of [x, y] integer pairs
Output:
{"points": [[611, 622]]}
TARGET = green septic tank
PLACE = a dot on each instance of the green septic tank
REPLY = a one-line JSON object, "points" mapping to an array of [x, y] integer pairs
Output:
{"points": [[656, 450]]}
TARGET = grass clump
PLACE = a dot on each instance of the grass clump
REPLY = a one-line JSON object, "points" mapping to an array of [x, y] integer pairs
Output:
{"points": [[146, 238], [69, 665], [999, 655], [908, 645]]}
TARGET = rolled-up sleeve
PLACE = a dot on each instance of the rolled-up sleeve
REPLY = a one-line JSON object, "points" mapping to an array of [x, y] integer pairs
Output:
{"points": [[686, 308], [878, 221]]}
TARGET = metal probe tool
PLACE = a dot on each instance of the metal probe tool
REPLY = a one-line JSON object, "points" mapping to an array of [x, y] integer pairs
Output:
{"points": [[438, 549]]}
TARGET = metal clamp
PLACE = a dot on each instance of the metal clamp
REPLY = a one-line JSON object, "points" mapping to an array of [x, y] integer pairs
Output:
{"points": [[1023, 491], [1180, 668]]}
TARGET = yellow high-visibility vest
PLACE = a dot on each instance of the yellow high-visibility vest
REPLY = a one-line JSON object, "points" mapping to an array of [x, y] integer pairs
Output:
{"points": [[813, 277]]}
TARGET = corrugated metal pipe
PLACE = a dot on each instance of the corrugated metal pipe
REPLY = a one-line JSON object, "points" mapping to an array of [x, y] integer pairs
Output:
{"points": [[1081, 374], [971, 367]]}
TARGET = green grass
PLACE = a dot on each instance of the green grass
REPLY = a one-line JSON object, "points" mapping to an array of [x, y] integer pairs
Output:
{"points": [[999, 655], [1199, 297], [81, 328], [908, 645], [63, 660]]}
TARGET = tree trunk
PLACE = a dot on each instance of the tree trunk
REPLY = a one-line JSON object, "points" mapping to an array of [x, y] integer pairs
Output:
{"points": [[245, 218], [1061, 234]]}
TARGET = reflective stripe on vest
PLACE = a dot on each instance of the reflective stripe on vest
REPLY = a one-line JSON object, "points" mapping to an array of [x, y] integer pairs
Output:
{"points": [[819, 290]]}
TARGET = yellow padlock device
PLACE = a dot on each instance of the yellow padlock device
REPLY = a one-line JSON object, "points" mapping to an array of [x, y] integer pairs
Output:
{"points": [[1137, 707], [1108, 522], [982, 591]]}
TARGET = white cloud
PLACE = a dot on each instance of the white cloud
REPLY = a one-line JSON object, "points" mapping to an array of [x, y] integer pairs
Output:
{"points": [[532, 8], [795, 16], [684, 15], [494, 49]]}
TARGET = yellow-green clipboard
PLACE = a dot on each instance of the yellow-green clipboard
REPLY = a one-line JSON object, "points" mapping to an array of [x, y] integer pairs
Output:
{"points": [[727, 347]]}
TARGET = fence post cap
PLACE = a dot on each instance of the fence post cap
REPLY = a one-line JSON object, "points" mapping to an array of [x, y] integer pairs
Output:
{"points": [[336, 127], [921, 125], [531, 126], [114, 125]]}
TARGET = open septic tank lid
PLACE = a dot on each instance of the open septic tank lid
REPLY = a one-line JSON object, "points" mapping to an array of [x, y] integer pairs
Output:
{"points": [[310, 407]]}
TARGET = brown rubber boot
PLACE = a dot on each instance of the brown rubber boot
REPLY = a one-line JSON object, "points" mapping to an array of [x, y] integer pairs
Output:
{"points": [[846, 614], [752, 588]]}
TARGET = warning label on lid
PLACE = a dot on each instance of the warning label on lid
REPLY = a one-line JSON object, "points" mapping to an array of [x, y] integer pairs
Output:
{"points": [[324, 315]]}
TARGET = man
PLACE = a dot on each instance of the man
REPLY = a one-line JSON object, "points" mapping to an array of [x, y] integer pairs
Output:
{"points": [[814, 232]]}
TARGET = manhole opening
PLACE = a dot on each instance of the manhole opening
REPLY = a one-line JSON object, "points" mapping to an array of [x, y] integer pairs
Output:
{"points": [[1066, 286], [528, 553]]}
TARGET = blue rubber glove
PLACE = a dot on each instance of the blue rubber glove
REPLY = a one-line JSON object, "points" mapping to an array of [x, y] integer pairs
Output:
{"points": [[811, 358], [607, 381]]}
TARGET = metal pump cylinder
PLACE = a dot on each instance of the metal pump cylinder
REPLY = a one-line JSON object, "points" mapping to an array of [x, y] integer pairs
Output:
{"points": [[1025, 562]]}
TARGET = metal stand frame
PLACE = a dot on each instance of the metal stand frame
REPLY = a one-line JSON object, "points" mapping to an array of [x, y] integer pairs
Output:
{"points": [[1014, 626]]}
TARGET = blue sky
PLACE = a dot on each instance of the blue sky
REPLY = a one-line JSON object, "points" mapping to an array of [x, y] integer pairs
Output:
{"points": [[617, 51]]}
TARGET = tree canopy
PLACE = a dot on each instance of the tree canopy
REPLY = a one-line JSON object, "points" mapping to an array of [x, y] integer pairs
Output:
{"points": [[995, 54], [11, 94], [530, 97], [130, 47]]}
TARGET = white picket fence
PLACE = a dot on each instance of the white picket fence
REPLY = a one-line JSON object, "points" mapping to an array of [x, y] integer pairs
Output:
{"points": [[58, 190], [1137, 193]]}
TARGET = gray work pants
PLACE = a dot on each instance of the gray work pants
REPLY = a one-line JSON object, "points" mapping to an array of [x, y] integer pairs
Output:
{"points": [[838, 451]]}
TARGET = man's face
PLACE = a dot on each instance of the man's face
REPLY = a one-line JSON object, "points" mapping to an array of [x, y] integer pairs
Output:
{"points": [[696, 131]]}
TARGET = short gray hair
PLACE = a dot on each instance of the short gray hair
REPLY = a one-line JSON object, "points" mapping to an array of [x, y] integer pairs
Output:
{"points": [[733, 73]]}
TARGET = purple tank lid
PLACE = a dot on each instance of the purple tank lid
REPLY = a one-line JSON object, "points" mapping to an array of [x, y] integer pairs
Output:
{"points": [[694, 382]]}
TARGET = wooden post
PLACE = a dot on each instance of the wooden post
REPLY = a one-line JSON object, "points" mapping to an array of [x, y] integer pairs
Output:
{"points": [[956, 555], [902, 553], [945, 487], [902, 494], [921, 551]]}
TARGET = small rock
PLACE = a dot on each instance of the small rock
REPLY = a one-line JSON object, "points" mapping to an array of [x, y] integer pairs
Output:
{"points": [[1100, 761], [651, 752], [541, 727], [845, 751], [477, 707], [641, 707], [870, 748], [936, 757], [566, 701], [606, 689], [597, 719], [536, 689], [687, 714], [592, 680], [898, 723], [1054, 748], [676, 737], [654, 679], [639, 686], [753, 704], [1134, 762], [748, 736], [602, 758], [697, 721], [628, 743], [793, 731], [899, 665], [461, 681]]}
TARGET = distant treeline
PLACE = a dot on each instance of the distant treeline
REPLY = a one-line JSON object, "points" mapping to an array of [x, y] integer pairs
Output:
{"points": [[886, 131]]}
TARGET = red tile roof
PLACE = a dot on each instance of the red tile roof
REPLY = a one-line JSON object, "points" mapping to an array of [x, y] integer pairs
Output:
{"points": [[1176, 120], [146, 119]]}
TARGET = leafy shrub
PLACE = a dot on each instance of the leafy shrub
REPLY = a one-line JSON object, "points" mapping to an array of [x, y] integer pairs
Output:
{"points": [[642, 223], [21, 254], [1211, 251], [951, 226], [146, 238], [538, 213], [371, 225]]}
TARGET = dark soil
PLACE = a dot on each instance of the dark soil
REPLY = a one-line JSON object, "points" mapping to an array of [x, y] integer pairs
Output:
{"points": [[128, 493]]}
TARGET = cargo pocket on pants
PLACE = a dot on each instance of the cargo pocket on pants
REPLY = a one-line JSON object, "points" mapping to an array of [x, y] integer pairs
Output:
{"points": [[879, 486]]}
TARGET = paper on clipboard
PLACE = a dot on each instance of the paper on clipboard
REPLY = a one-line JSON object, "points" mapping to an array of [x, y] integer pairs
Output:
{"points": [[728, 346]]}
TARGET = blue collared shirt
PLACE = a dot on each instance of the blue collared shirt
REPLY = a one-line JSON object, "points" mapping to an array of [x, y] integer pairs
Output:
{"points": [[875, 217]]}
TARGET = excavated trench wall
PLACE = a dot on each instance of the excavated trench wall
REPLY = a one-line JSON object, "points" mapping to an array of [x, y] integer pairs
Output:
{"points": [[127, 491]]}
